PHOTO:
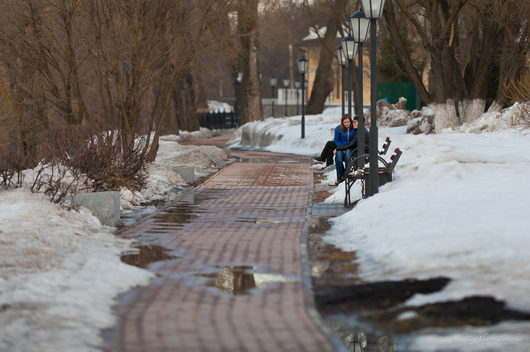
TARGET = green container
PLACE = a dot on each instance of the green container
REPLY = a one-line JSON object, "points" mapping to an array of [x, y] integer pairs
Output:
{"points": [[392, 91]]}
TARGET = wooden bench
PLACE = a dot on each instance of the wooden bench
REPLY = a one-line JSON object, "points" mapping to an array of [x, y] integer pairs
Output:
{"points": [[357, 171]]}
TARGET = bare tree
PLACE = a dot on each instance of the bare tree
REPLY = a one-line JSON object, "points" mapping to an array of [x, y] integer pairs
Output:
{"points": [[512, 17], [324, 78], [461, 37], [247, 29]]}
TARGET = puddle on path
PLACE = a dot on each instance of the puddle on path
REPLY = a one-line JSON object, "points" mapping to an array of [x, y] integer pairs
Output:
{"points": [[268, 160], [174, 216], [240, 279], [146, 255], [255, 220]]}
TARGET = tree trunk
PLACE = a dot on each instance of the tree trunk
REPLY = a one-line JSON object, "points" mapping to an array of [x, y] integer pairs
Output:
{"points": [[496, 106], [446, 115], [472, 108], [324, 78], [251, 109], [323, 84]]}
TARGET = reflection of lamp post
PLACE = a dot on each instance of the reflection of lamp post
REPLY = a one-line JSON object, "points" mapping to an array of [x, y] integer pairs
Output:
{"points": [[297, 86], [349, 47], [273, 85], [303, 63], [286, 85], [374, 10], [359, 26], [342, 61]]}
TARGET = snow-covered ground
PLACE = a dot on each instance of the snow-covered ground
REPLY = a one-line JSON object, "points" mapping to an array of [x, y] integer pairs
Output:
{"points": [[219, 106], [458, 207], [60, 270]]}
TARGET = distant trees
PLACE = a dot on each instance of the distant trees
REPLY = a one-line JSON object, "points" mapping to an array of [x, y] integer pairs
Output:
{"points": [[472, 45], [117, 65]]}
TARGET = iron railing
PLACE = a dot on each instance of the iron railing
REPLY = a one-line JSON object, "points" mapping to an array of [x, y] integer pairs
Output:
{"points": [[219, 120]]}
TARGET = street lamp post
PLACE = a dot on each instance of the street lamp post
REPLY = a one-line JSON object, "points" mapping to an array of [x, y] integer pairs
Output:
{"points": [[239, 79], [273, 81], [342, 62], [286, 85], [297, 86], [374, 10], [303, 63], [349, 47], [359, 26]]}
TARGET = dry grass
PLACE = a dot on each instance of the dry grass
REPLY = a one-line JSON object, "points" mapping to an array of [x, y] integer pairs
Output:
{"points": [[520, 92]]}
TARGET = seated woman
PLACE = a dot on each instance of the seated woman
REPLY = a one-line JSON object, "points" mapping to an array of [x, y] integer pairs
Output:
{"points": [[344, 134], [353, 143]]}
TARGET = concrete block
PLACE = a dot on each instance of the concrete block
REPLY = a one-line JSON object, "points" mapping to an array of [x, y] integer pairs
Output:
{"points": [[186, 172], [104, 205]]}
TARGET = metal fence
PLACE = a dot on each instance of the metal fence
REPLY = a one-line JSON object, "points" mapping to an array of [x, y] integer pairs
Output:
{"points": [[219, 120]]}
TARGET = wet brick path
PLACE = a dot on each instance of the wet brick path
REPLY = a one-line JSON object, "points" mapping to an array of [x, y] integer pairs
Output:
{"points": [[236, 281]]}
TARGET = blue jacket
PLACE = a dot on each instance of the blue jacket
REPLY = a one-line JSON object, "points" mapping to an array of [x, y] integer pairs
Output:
{"points": [[342, 138]]}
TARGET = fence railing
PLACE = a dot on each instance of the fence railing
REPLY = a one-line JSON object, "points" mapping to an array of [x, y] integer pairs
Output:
{"points": [[219, 120]]}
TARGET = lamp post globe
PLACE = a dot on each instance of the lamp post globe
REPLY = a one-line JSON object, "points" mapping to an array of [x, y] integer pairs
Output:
{"points": [[239, 76], [303, 65], [349, 48], [359, 24], [273, 82], [374, 8], [340, 58]]}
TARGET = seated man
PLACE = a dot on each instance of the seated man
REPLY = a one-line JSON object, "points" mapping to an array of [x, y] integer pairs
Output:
{"points": [[327, 153]]}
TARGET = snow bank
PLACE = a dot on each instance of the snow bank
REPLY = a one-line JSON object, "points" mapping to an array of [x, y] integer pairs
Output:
{"points": [[283, 135], [60, 271], [162, 179], [456, 208], [514, 116]]}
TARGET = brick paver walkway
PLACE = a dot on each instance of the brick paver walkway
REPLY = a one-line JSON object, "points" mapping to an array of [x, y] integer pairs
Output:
{"points": [[236, 284]]}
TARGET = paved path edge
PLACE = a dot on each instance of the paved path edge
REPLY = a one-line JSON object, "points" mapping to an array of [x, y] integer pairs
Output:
{"points": [[309, 298]]}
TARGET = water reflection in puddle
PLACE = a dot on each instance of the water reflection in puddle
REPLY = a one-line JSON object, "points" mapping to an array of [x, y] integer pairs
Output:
{"points": [[240, 280], [359, 337], [175, 217], [146, 255], [252, 220]]}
